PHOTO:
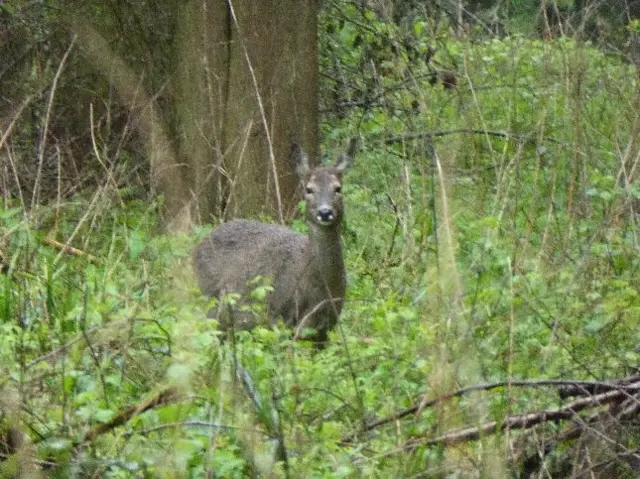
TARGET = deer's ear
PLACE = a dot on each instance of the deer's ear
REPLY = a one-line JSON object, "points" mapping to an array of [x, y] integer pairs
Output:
{"points": [[346, 159], [299, 161]]}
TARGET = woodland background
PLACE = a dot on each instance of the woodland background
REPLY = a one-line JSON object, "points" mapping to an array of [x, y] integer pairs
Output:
{"points": [[491, 327]]}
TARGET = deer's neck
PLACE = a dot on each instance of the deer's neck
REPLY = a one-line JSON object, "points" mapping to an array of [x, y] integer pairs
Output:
{"points": [[326, 249]]}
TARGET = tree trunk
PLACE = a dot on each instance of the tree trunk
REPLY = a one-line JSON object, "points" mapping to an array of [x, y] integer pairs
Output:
{"points": [[168, 176], [246, 89], [242, 90]]}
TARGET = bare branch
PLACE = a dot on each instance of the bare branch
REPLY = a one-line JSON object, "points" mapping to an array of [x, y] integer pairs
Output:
{"points": [[520, 421], [459, 131], [165, 396], [621, 387]]}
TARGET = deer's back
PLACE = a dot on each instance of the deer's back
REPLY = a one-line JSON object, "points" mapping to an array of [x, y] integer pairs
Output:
{"points": [[238, 251]]}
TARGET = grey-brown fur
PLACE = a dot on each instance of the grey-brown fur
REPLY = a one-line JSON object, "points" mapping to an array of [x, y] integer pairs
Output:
{"points": [[306, 271]]}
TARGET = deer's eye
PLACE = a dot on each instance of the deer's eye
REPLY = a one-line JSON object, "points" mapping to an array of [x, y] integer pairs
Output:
{"points": [[338, 189], [309, 190]]}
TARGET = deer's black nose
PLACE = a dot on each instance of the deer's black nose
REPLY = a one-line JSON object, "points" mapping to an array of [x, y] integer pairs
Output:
{"points": [[325, 215]]}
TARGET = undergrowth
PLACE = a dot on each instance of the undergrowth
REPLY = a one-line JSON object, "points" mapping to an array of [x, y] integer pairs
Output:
{"points": [[491, 236]]}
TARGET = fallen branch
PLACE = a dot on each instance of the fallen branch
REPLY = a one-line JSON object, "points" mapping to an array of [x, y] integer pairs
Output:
{"points": [[630, 387], [608, 420], [571, 390], [53, 355], [165, 396], [521, 421], [191, 423], [69, 249], [463, 131]]}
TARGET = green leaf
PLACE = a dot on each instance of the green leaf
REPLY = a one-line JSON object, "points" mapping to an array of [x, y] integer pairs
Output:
{"points": [[103, 415], [59, 444], [180, 375], [136, 244]]}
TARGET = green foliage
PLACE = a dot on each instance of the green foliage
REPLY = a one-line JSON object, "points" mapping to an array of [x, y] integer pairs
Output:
{"points": [[511, 254]]}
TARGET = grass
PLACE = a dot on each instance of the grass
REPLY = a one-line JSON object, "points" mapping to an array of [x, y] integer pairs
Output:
{"points": [[510, 254]]}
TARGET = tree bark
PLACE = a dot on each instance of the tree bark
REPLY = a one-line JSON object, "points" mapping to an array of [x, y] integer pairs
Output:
{"points": [[168, 176], [200, 84], [247, 90], [242, 89]]}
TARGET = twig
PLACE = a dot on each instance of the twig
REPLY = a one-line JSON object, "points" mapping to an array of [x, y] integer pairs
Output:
{"points": [[269, 416], [588, 389], [519, 421], [628, 457], [65, 248], [94, 354], [52, 355], [165, 396], [306, 319], [423, 404], [394, 208], [193, 423], [629, 408], [98, 194], [96, 152], [45, 133], [458, 131], [13, 121]]}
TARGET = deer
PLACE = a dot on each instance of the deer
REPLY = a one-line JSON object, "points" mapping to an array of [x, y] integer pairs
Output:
{"points": [[306, 271]]}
